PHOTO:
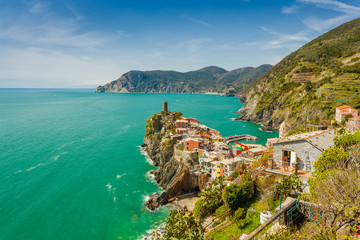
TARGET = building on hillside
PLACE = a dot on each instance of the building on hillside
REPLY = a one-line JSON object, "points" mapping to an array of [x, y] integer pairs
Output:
{"points": [[226, 167], [270, 142], [353, 124], [206, 163], [191, 144], [192, 120], [344, 110], [256, 152], [299, 152], [181, 126]]}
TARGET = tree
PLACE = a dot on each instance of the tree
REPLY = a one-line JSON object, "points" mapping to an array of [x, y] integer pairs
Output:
{"points": [[240, 195], [347, 139], [329, 159], [181, 224], [210, 199], [337, 191], [283, 187]]}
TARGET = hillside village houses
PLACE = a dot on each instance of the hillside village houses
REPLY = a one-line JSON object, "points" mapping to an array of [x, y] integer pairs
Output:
{"points": [[295, 153]]}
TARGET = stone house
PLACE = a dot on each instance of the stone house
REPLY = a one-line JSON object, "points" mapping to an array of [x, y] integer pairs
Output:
{"points": [[353, 124], [344, 110], [302, 150]]}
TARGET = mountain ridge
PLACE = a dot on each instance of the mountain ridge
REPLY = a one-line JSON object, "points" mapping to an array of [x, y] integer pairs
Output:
{"points": [[207, 79]]}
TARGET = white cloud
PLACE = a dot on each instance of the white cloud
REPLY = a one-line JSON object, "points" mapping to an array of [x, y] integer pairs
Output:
{"points": [[38, 7], [74, 9], [320, 25], [33, 67], [349, 12], [48, 28], [198, 21], [334, 5], [193, 45], [290, 10], [284, 40]]}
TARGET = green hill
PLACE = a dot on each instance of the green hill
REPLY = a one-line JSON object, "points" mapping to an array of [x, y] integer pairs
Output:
{"points": [[307, 85], [203, 80]]}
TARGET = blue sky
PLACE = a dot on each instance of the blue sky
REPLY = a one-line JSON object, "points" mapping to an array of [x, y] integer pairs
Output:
{"points": [[68, 43]]}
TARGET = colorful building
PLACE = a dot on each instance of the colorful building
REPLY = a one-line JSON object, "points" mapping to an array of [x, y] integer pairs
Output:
{"points": [[344, 110], [220, 169], [191, 144], [181, 124]]}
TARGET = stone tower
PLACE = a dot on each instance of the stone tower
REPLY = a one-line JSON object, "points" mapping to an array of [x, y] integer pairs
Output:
{"points": [[165, 107]]}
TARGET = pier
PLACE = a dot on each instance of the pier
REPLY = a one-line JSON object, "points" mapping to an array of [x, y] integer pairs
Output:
{"points": [[234, 138]]}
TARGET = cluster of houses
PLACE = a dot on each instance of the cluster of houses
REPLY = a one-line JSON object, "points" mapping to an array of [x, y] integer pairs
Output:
{"points": [[295, 153]]}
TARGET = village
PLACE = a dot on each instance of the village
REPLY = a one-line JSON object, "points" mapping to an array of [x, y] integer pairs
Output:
{"points": [[218, 156]]}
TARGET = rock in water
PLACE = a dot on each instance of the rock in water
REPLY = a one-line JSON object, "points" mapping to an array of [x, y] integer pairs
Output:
{"points": [[156, 200]]}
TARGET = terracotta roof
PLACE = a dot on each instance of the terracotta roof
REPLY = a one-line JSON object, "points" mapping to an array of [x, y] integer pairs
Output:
{"points": [[343, 107]]}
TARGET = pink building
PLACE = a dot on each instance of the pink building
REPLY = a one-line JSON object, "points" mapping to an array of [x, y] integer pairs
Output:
{"points": [[344, 110]]}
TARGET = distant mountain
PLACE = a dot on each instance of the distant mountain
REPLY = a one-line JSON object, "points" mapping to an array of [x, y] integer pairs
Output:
{"points": [[307, 85], [207, 79]]}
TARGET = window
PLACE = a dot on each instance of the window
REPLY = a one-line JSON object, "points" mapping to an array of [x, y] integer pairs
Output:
{"points": [[187, 143]]}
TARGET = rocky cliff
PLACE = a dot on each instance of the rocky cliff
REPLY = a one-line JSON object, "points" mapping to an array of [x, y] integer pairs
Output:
{"points": [[174, 174], [203, 80], [307, 85]]}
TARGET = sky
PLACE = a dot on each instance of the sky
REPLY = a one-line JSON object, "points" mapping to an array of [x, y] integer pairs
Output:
{"points": [[86, 43]]}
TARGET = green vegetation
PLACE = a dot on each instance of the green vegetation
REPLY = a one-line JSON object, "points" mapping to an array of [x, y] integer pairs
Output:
{"points": [[210, 199], [205, 79], [240, 195], [181, 224], [307, 85], [334, 188], [285, 186], [347, 139]]}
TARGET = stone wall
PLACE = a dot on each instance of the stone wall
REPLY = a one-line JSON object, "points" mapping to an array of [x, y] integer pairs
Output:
{"points": [[185, 157], [305, 153]]}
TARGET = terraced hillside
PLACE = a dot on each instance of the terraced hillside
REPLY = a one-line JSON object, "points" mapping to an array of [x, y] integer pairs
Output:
{"points": [[307, 85]]}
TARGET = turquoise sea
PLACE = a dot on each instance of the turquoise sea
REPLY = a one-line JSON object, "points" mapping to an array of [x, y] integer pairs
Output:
{"points": [[71, 166]]}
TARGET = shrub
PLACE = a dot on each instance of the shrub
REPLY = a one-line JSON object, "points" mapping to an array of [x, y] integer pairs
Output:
{"points": [[284, 186], [347, 139], [181, 224], [240, 195]]}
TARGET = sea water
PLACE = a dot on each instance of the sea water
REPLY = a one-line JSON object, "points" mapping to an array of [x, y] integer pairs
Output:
{"points": [[71, 165]]}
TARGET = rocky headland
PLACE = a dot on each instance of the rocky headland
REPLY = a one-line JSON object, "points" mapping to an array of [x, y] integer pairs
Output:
{"points": [[206, 80], [175, 174]]}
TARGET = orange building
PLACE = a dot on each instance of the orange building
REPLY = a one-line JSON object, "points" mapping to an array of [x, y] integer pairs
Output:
{"points": [[191, 144], [344, 110]]}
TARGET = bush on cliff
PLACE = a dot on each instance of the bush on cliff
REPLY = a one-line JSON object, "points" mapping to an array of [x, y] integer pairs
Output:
{"points": [[240, 195], [284, 187], [347, 139], [181, 224], [210, 199]]}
